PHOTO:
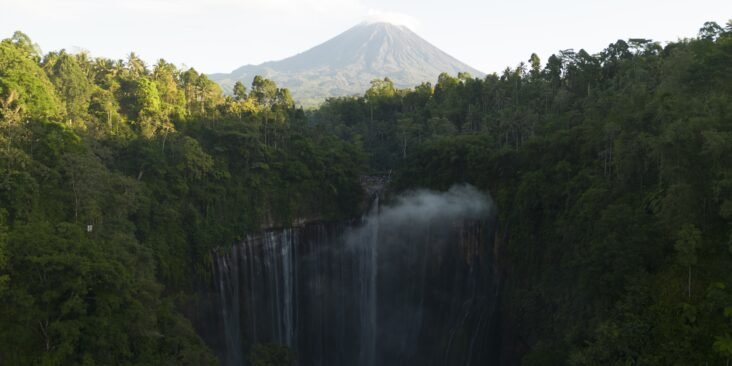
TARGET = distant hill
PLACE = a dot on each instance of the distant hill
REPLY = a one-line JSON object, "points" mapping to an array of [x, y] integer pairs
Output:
{"points": [[346, 64]]}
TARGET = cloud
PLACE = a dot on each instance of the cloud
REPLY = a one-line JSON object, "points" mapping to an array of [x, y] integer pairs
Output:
{"points": [[376, 15]]}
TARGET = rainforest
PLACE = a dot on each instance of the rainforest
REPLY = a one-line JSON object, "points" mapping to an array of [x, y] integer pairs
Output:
{"points": [[572, 211]]}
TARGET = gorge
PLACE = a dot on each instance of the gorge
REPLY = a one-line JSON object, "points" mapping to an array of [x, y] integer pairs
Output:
{"points": [[147, 218], [409, 283]]}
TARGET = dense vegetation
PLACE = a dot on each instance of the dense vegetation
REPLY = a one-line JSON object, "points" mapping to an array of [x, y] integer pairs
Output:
{"points": [[612, 175], [116, 180]]}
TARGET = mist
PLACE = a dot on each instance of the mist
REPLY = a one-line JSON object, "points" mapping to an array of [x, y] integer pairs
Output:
{"points": [[460, 202]]}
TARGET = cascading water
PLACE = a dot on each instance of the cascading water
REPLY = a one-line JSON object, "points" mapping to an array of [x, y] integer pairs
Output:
{"points": [[368, 262], [409, 284]]}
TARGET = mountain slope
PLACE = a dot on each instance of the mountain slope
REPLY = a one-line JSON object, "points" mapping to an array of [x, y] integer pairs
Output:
{"points": [[346, 64]]}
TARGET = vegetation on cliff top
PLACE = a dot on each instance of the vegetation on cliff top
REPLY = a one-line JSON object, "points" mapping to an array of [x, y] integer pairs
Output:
{"points": [[117, 179], [611, 172]]}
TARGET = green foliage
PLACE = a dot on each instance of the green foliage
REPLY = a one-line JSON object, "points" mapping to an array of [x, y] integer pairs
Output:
{"points": [[264, 91], [172, 98], [23, 84], [116, 183], [380, 89], [611, 174], [71, 83], [24, 43], [271, 355], [687, 244], [240, 91], [4, 278]]}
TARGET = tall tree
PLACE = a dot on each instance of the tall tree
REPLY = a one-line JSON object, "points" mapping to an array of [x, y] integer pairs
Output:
{"points": [[264, 91], [687, 245], [240, 91]]}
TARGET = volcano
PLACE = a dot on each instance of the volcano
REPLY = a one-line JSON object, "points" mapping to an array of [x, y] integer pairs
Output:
{"points": [[347, 63]]}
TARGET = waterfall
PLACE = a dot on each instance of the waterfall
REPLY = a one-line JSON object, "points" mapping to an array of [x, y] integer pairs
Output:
{"points": [[408, 284], [366, 250]]}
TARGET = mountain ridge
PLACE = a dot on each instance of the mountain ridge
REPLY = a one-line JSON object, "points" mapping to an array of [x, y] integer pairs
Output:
{"points": [[346, 64]]}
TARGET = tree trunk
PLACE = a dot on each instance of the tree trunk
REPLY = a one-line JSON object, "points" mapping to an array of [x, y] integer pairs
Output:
{"points": [[689, 283], [76, 198], [43, 325]]}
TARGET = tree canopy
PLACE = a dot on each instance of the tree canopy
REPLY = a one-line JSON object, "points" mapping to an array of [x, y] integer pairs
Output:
{"points": [[116, 182], [611, 172]]}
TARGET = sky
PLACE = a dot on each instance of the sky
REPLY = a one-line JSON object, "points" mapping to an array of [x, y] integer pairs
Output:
{"points": [[221, 35]]}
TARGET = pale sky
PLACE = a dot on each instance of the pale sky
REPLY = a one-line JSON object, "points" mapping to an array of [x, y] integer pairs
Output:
{"points": [[221, 35]]}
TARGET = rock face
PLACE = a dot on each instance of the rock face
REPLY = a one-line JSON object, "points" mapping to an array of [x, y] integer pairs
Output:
{"points": [[346, 64], [402, 286]]}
